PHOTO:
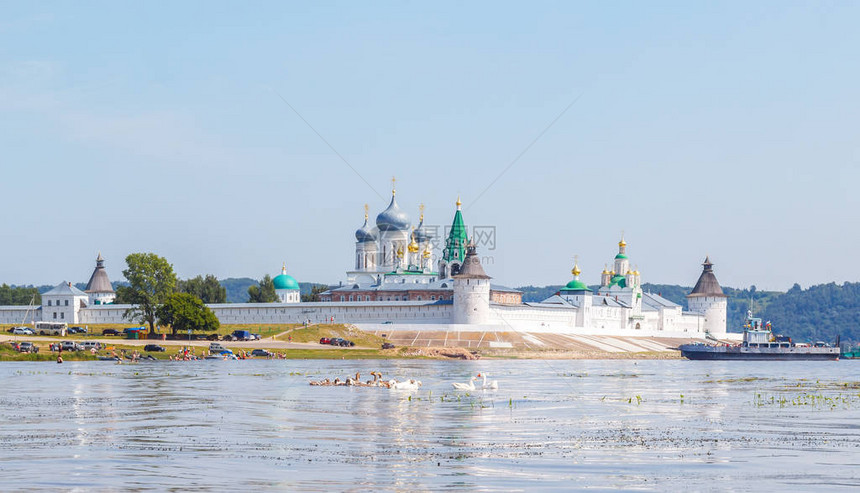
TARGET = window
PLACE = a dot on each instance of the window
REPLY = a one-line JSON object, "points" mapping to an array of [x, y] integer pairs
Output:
{"points": [[419, 298], [341, 298], [350, 297], [67, 302], [367, 298], [49, 302], [62, 315], [55, 314], [433, 297]]}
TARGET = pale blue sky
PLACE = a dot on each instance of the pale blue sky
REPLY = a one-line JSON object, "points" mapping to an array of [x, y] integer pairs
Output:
{"points": [[724, 128]]}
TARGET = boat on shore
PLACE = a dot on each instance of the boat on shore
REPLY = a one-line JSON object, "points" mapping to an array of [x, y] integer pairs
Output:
{"points": [[760, 343]]}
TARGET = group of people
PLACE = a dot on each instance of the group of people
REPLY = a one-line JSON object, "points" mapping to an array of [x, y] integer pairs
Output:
{"points": [[377, 381]]}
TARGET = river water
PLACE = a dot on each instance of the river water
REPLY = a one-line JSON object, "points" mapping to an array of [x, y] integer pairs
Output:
{"points": [[551, 425]]}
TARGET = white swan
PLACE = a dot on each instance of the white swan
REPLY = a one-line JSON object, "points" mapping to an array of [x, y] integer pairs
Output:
{"points": [[494, 385], [465, 386], [407, 385]]}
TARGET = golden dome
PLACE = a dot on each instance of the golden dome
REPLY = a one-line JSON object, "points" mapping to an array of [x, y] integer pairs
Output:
{"points": [[622, 243], [400, 252], [576, 270], [612, 273], [604, 270], [413, 245], [636, 273], [427, 252], [458, 201]]}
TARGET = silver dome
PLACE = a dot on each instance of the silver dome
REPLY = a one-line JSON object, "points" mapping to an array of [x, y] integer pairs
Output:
{"points": [[392, 218], [365, 233]]}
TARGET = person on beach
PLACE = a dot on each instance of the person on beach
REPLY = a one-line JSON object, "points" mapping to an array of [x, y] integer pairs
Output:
{"points": [[59, 359]]}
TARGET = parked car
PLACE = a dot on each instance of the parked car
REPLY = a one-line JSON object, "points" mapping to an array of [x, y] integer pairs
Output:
{"points": [[261, 352], [387, 345], [241, 335], [27, 347], [70, 346], [23, 331], [325, 340], [76, 330], [89, 345], [337, 341], [153, 348], [110, 332], [212, 337]]}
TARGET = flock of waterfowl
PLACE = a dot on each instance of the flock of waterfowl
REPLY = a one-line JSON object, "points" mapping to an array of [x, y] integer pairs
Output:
{"points": [[376, 382], [410, 384]]}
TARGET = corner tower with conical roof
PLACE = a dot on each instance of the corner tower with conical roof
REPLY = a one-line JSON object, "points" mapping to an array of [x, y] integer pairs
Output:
{"points": [[99, 288], [707, 299], [454, 253], [471, 291]]}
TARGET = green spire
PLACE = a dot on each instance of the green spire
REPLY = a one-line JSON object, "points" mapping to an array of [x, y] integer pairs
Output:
{"points": [[455, 245]]}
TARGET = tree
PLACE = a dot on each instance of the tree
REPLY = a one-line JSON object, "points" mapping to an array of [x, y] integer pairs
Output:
{"points": [[263, 292], [209, 290], [151, 280], [18, 295], [314, 295], [183, 312]]}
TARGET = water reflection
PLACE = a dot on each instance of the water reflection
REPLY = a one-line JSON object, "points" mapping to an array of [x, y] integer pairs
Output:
{"points": [[552, 425]]}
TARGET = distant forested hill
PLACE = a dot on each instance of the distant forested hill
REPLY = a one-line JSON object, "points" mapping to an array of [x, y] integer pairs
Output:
{"points": [[817, 313]]}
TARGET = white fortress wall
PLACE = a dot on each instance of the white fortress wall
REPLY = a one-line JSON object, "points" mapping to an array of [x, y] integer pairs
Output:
{"points": [[17, 314], [278, 313]]}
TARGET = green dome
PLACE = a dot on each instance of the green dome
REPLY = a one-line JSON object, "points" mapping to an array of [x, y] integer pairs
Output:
{"points": [[576, 285], [284, 281], [620, 255], [619, 281]]}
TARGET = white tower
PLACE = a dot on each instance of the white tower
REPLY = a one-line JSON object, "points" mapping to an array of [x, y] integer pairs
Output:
{"points": [[471, 291], [393, 226], [622, 263], [365, 247], [707, 299]]}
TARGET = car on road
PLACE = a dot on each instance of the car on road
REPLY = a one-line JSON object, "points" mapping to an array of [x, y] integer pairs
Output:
{"points": [[325, 340], [153, 348], [23, 331], [387, 345], [387, 322], [261, 352], [70, 346], [90, 345], [110, 332], [27, 347], [337, 341]]}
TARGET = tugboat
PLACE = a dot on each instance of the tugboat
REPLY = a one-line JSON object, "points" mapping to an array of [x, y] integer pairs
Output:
{"points": [[760, 343]]}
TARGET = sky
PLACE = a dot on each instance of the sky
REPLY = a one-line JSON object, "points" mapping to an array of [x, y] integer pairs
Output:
{"points": [[230, 137]]}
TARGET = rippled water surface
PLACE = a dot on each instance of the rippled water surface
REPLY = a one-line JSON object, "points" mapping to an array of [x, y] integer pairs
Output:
{"points": [[217, 425]]}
